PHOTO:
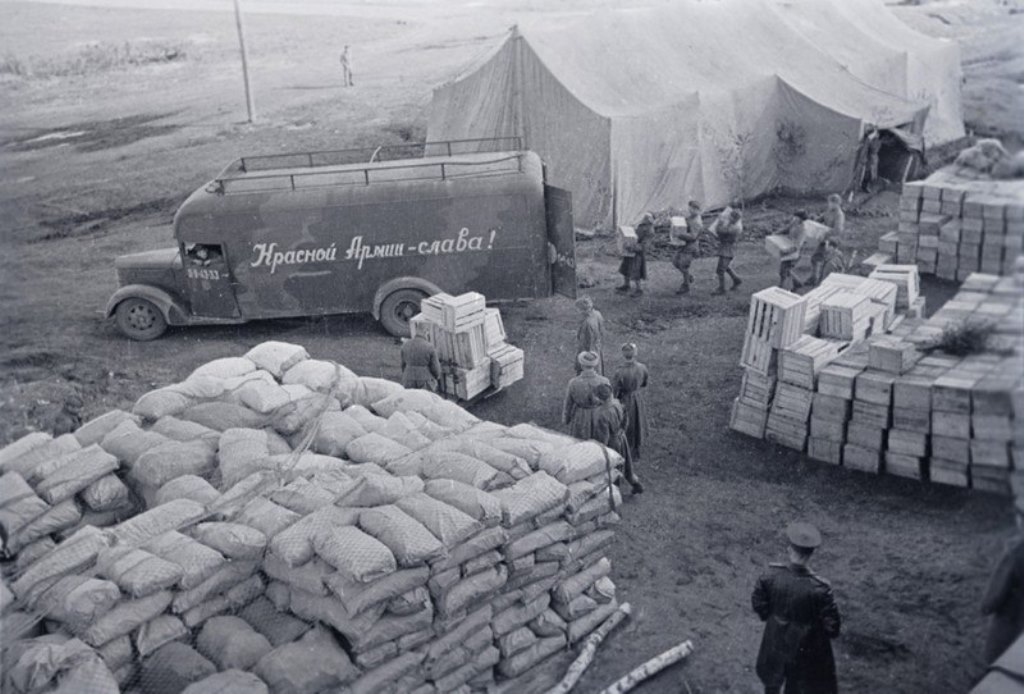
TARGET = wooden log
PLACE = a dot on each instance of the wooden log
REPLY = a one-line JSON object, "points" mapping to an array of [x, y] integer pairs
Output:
{"points": [[650, 668], [586, 656]]}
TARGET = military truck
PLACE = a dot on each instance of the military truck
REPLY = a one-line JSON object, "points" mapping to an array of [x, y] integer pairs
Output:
{"points": [[317, 233]]}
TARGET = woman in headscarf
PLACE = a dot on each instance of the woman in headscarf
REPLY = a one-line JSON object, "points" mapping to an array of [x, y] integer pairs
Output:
{"points": [[628, 386], [581, 399], [634, 268], [590, 333]]}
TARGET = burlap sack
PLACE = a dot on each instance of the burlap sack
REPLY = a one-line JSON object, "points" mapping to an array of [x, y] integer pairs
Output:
{"points": [[125, 617], [231, 574], [233, 540], [106, 493], [313, 664], [461, 468], [87, 466], [160, 465], [409, 541], [75, 553], [472, 590], [278, 627], [518, 615], [182, 430], [26, 453], [276, 357], [96, 428], [127, 441], [336, 431], [548, 624], [357, 597], [187, 487], [309, 577], [379, 679], [560, 531], [526, 659], [54, 519], [228, 682], [229, 642], [375, 448], [355, 554], [515, 641], [161, 402], [295, 544], [117, 653], [221, 416], [197, 561], [530, 497], [78, 600], [578, 461], [172, 668], [266, 516], [447, 523], [136, 571], [226, 367], [158, 632]]}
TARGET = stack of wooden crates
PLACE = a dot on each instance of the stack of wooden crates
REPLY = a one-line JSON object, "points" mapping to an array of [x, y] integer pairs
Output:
{"points": [[470, 342], [951, 227]]}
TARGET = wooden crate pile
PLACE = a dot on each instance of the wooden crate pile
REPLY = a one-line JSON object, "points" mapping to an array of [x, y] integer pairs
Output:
{"points": [[907, 280], [776, 320], [800, 363], [832, 404], [951, 226], [849, 316], [470, 342], [995, 441]]}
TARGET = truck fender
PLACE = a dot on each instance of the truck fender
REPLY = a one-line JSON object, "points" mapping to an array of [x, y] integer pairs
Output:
{"points": [[393, 285], [174, 311]]}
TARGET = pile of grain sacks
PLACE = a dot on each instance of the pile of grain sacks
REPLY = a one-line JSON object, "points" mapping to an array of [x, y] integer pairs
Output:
{"points": [[887, 402], [277, 523]]}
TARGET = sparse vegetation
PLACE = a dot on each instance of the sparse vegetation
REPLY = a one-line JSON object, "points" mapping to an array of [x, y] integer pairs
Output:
{"points": [[95, 58], [964, 338]]}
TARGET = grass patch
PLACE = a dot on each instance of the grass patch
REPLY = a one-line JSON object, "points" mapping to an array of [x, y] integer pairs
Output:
{"points": [[96, 58], [964, 338]]}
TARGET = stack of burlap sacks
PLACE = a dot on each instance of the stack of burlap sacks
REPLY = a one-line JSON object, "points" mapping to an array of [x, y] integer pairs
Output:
{"points": [[304, 530]]}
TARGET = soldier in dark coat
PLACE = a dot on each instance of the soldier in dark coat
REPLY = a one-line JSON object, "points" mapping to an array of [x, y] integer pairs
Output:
{"points": [[590, 333], [801, 619], [634, 268], [610, 429], [628, 385], [420, 367], [1004, 599], [581, 398]]}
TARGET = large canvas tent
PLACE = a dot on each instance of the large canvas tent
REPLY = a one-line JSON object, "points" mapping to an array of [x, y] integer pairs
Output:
{"points": [[642, 109]]}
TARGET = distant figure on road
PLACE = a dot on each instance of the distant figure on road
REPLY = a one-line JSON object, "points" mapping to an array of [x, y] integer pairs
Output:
{"points": [[628, 385], [801, 619], [581, 398], [1004, 599], [420, 367], [590, 333], [346, 67], [610, 430]]}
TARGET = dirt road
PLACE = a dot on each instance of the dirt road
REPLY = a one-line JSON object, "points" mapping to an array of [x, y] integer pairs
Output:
{"points": [[908, 562]]}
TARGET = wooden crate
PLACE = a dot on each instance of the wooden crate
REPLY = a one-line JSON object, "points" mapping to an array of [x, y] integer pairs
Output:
{"points": [[758, 356], [626, 241], [862, 459], [881, 292], [990, 453], [824, 428], [909, 443], [992, 427], [845, 316], [903, 465], [892, 355], [779, 245], [776, 317], [756, 388], [463, 311], [786, 431], [825, 450], [865, 435], [494, 328], [953, 424], [907, 281], [507, 365], [468, 346], [830, 407], [871, 413], [875, 387], [887, 243], [951, 472], [949, 448], [800, 362], [468, 383], [812, 312], [876, 260], [421, 326], [432, 307], [793, 402], [952, 391], [912, 419], [748, 419], [995, 480], [838, 380], [913, 391]]}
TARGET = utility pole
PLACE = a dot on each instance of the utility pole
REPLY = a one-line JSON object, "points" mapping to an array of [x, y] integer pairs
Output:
{"points": [[245, 63]]}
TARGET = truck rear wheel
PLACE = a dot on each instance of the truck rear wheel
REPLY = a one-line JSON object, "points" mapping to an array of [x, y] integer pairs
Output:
{"points": [[140, 319], [398, 308]]}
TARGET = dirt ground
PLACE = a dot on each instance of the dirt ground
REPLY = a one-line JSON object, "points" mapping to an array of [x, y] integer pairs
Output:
{"points": [[93, 165]]}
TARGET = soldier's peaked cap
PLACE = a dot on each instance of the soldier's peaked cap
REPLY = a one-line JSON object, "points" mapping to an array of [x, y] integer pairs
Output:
{"points": [[803, 535]]}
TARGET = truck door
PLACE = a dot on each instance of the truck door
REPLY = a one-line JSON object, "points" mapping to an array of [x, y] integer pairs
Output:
{"points": [[561, 240], [210, 288]]}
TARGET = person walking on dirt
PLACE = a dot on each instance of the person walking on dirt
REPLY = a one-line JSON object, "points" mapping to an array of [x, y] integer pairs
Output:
{"points": [[580, 397], [728, 231], [346, 67], [795, 232], [420, 366], [1004, 599], [687, 252], [634, 268], [628, 385], [590, 333], [835, 219], [610, 430], [801, 619]]}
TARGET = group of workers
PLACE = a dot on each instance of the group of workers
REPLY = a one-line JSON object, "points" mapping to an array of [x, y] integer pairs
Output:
{"points": [[721, 236]]}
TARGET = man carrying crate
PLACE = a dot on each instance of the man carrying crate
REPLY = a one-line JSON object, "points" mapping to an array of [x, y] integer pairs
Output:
{"points": [[685, 239]]}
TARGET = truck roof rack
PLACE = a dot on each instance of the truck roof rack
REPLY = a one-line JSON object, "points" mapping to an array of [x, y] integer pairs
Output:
{"points": [[363, 166]]}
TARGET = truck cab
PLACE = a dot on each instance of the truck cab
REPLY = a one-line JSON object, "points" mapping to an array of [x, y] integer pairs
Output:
{"points": [[317, 233]]}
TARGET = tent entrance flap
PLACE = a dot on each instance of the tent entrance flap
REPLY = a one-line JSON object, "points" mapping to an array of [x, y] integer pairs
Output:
{"points": [[561, 240]]}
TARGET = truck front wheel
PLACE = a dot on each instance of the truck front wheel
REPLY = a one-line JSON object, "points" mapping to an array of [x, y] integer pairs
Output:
{"points": [[140, 319], [398, 308]]}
